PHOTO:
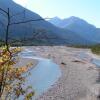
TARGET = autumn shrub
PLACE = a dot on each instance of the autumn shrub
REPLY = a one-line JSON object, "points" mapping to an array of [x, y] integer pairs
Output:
{"points": [[13, 78]]}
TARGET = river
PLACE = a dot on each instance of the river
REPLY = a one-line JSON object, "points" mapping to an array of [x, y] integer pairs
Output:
{"points": [[43, 75]]}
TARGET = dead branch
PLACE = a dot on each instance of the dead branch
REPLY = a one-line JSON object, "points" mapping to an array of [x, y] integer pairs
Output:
{"points": [[27, 21]]}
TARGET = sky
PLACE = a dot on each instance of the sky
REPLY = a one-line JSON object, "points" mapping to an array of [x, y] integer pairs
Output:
{"points": [[88, 10]]}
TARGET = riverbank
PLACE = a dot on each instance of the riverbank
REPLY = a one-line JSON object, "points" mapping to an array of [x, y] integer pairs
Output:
{"points": [[24, 61], [40, 79], [78, 76]]}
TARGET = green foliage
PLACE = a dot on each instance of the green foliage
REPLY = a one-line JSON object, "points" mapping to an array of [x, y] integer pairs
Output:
{"points": [[96, 49], [81, 46]]}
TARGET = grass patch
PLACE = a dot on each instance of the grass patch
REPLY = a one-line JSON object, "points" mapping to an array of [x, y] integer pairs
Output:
{"points": [[96, 49]]}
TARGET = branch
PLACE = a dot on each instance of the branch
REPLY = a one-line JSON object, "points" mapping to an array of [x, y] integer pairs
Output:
{"points": [[4, 11], [27, 21]]}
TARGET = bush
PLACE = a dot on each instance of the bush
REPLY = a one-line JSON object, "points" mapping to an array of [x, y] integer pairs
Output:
{"points": [[96, 49]]}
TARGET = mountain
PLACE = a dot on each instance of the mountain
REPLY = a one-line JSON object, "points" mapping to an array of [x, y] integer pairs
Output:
{"points": [[56, 21], [47, 33], [81, 27]]}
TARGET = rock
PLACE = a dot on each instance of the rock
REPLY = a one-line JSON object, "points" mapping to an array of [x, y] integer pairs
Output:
{"points": [[63, 63]]}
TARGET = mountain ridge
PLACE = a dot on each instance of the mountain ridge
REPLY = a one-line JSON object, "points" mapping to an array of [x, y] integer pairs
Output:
{"points": [[81, 27], [62, 36]]}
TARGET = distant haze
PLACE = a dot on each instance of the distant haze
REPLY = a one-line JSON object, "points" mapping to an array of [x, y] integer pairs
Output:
{"points": [[73, 31], [85, 9]]}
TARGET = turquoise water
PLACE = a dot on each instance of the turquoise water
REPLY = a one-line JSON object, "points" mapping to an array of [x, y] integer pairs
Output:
{"points": [[44, 75], [96, 62], [83, 55]]}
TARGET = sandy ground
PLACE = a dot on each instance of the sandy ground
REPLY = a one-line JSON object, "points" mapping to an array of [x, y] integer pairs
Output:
{"points": [[24, 61], [78, 81]]}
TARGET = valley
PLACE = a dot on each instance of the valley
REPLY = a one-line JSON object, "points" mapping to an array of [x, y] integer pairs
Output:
{"points": [[48, 58], [79, 74]]}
